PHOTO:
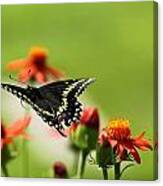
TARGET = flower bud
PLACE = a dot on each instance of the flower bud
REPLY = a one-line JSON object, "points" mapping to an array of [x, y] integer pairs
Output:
{"points": [[104, 152], [84, 135], [60, 170], [90, 118]]}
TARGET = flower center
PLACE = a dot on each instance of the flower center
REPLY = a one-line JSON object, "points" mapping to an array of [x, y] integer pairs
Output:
{"points": [[38, 56], [119, 129]]}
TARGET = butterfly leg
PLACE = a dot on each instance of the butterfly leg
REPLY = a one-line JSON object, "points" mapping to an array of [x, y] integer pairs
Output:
{"points": [[55, 124], [21, 102], [64, 135]]}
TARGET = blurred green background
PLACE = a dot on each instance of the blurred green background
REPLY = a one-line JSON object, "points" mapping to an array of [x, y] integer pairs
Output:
{"points": [[112, 42]]}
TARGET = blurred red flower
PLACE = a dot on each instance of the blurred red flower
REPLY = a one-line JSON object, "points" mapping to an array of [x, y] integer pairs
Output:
{"points": [[118, 135], [34, 66], [14, 130], [90, 118], [84, 134], [60, 170]]}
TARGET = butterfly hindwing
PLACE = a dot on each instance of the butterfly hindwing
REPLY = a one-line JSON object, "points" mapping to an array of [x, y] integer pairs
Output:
{"points": [[67, 92]]}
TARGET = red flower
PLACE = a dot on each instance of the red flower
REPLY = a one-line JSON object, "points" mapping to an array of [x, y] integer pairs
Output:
{"points": [[89, 118], [14, 130], [118, 134], [84, 134], [34, 66], [60, 170]]}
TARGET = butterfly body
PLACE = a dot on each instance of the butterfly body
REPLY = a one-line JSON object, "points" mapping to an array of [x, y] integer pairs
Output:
{"points": [[56, 103]]}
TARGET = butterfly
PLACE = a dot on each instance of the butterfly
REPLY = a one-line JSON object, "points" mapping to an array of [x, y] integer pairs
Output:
{"points": [[56, 102]]}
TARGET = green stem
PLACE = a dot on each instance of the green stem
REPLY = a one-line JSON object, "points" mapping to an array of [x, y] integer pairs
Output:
{"points": [[25, 158], [82, 161], [117, 171], [75, 163], [5, 158], [25, 151], [105, 173], [5, 171]]}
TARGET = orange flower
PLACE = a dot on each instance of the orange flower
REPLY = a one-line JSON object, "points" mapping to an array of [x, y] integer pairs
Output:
{"points": [[118, 134], [34, 66], [14, 130]]}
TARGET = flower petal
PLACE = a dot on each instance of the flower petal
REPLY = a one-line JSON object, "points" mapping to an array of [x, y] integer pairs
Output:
{"points": [[18, 127], [40, 77], [27, 73], [113, 142], [103, 138], [141, 135], [120, 150], [55, 72], [142, 143], [129, 146], [17, 64]]}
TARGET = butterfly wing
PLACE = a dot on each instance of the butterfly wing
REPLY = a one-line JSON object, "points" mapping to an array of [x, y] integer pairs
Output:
{"points": [[63, 99], [16, 90], [56, 103], [29, 95]]}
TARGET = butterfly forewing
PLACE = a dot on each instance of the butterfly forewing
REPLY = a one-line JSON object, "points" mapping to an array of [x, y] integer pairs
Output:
{"points": [[16, 90], [56, 103], [30, 95]]}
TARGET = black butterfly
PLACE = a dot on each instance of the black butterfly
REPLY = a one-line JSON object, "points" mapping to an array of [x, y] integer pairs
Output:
{"points": [[56, 103]]}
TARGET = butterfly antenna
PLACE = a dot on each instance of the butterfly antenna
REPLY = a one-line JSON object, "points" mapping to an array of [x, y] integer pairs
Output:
{"points": [[16, 80]]}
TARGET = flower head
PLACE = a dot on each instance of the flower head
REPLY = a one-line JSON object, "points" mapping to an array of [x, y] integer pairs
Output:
{"points": [[14, 130], [60, 170], [84, 134], [34, 66], [118, 135], [90, 118]]}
